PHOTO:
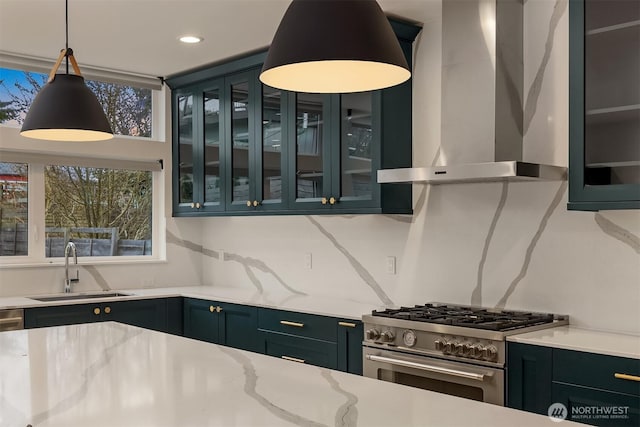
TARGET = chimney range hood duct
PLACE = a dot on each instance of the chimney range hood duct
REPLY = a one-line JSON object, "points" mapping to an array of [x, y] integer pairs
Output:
{"points": [[482, 92]]}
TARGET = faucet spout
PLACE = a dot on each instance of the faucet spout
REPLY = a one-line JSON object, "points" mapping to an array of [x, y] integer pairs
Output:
{"points": [[71, 247]]}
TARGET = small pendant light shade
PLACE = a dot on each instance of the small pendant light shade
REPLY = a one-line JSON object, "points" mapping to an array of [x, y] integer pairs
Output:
{"points": [[65, 109], [334, 46]]}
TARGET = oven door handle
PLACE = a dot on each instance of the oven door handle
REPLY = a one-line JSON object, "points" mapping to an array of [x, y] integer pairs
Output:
{"points": [[430, 368]]}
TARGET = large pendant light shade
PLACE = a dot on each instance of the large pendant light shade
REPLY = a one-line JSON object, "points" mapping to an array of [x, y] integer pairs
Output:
{"points": [[334, 46], [65, 109]]}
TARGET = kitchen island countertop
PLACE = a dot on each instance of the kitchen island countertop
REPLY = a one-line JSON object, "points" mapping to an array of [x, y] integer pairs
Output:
{"points": [[109, 374]]}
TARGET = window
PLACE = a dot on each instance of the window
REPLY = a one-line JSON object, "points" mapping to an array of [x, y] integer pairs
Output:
{"points": [[106, 208], [14, 217], [127, 108]]}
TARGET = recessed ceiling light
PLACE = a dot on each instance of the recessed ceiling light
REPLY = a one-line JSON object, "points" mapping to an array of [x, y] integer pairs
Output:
{"points": [[190, 39]]}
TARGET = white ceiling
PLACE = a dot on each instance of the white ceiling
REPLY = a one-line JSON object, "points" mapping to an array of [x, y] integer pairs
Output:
{"points": [[141, 36]]}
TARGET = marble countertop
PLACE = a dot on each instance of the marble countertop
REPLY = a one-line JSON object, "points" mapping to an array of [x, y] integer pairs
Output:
{"points": [[110, 374], [324, 306], [572, 338]]}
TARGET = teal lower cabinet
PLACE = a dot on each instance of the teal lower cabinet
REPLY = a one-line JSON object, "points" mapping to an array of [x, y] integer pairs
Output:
{"points": [[146, 313], [42, 317], [300, 349], [312, 339], [228, 324], [596, 389], [350, 336], [529, 377]]}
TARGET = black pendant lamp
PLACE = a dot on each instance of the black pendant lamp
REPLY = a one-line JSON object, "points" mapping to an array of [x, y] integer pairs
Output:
{"points": [[334, 46], [65, 109]]}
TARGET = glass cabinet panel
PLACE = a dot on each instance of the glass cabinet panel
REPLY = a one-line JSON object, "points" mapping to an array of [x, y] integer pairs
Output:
{"points": [[612, 92], [240, 141], [185, 152], [212, 130], [309, 148], [271, 144], [356, 146]]}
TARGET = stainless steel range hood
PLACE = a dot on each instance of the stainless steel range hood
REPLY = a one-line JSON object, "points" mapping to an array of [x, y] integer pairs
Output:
{"points": [[482, 92]]}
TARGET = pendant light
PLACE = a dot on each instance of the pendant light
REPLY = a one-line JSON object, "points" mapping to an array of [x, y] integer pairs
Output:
{"points": [[65, 109], [334, 46]]}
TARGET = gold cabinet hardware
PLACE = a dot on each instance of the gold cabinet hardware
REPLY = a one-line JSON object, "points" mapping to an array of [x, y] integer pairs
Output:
{"points": [[332, 201], [324, 201], [212, 308], [218, 309], [255, 203], [627, 377], [288, 323], [293, 359], [198, 205], [107, 310], [248, 203], [193, 205], [347, 324], [96, 311]]}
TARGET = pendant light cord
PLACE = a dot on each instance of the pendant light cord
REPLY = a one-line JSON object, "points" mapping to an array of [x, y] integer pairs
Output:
{"points": [[66, 31]]}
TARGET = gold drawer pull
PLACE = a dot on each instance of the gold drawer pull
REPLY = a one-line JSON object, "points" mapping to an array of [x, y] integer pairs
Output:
{"points": [[293, 359], [218, 309], [296, 324], [627, 377], [347, 324], [96, 311], [212, 308], [107, 310]]}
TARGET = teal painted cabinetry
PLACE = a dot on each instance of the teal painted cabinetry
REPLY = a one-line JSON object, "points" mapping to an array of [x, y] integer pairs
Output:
{"points": [[529, 377], [604, 104], [596, 389], [221, 323], [316, 340], [146, 313], [242, 148]]}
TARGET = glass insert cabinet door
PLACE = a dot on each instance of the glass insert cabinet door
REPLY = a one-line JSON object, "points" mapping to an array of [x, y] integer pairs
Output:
{"points": [[273, 139], [185, 149], [356, 148], [212, 132]]}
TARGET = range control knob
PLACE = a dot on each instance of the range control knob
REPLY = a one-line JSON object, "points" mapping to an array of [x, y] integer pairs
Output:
{"points": [[409, 338], [440, 344], [477, 350], [387, 336], [372, 334], [490, 353], [451, 347], [466, 349]]}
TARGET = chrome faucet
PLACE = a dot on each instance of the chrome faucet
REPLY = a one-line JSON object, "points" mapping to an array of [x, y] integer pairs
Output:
{"points": [[71, 247]]}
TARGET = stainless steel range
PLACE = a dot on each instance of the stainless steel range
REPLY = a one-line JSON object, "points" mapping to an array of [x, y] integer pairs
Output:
{"points": [[454, 349]]}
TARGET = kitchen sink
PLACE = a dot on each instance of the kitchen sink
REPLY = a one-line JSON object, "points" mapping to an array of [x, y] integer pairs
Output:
{"points": [[67, 297]]}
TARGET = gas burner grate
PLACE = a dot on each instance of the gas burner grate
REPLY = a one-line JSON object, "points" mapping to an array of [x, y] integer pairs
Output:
{"points": [[469, 317]]}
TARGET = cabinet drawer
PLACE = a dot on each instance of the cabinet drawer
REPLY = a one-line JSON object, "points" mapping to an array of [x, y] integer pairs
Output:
{"points": [[302, 350], [597, 370], [304, 325], [597, 407]]}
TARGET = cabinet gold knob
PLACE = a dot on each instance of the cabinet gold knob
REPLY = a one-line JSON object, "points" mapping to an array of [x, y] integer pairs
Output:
{"points": [[248, 203], [332, 201], [107, 310], [198, 205], [218, 309], [255, 203], [324, 201], [96, 311], [212, 308], [193, 205]]}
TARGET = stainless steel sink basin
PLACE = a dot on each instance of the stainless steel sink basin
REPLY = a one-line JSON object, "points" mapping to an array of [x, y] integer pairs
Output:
{"points": [[67, 297]]}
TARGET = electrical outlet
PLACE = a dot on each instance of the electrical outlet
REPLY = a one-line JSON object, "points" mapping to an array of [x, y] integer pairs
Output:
{"points": [[391, 264], [308, 261]]}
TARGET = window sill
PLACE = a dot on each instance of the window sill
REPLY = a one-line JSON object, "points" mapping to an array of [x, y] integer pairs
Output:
{"points": [[59, 262]]}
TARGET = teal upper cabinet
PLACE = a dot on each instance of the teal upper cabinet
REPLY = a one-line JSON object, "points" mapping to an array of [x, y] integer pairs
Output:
{"points": [[604, 110], [243, 148]]}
